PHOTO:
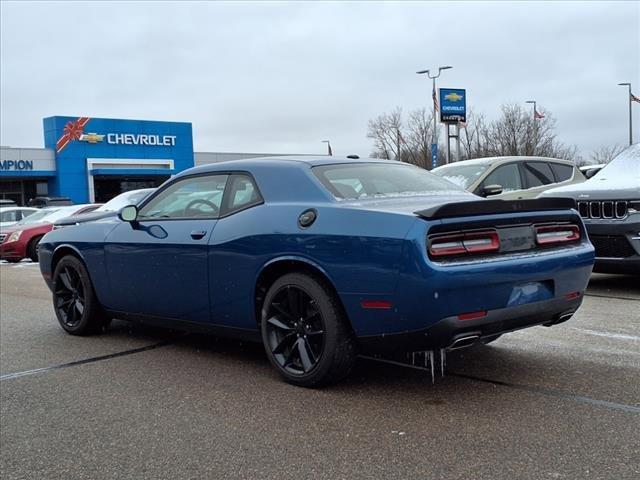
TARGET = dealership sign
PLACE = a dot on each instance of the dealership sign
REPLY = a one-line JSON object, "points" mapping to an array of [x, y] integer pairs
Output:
{"points": [[74, 130], [453, 105], [18, 165]]}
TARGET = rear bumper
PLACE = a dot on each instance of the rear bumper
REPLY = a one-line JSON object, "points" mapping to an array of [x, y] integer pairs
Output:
{"points": [[444, 333]]}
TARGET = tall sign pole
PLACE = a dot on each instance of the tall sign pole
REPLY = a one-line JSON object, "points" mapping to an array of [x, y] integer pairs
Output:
{"points": [[434, 138], [630, 113], [453, 109]]}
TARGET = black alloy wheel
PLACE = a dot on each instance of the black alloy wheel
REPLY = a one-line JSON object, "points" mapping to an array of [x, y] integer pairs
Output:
{"points": [[70, 296], [74, 300], [306, 334], [295, 330]]}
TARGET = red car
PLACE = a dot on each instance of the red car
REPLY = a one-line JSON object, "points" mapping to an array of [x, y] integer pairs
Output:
{"points": [[21, 240]]}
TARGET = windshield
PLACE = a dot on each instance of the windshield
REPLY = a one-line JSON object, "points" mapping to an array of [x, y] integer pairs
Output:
{"points": [[127, 198], [366, 180], [461, 175], [37, 217]]}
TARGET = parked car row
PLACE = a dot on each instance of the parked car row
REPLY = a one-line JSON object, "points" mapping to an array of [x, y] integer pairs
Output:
{"points": [[25, 226], [21, 240], [608, 197]]}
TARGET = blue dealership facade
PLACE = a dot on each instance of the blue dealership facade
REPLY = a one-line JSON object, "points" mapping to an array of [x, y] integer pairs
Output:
{"points": [[93, 159]]}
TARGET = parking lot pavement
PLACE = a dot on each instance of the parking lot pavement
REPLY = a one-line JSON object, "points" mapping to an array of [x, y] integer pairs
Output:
{"points": [[544, 403]]}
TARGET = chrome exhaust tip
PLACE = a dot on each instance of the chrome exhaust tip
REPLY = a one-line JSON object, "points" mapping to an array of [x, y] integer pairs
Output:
{"points": [[463, 342]]}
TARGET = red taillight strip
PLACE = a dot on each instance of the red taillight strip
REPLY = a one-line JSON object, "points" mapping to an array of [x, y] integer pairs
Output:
{"points": [[459, 243], [472, 315], [376, 304], [550, 234]]}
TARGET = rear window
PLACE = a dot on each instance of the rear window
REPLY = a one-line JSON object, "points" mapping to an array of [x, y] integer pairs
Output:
{"points": [[538, 174], [563, 172], [366, 180]]}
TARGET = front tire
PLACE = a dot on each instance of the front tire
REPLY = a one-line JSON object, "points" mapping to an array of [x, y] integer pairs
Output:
{"points": [[305, 332], [74, 299], [32, 249]]}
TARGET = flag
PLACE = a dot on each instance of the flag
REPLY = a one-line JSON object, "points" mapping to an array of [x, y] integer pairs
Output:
{"points": [[633, 98], [537, 115], [329, 148], [435, 99]]}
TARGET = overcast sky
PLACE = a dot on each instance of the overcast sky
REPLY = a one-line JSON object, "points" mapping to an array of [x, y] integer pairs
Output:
{"points": [[281, 77]]}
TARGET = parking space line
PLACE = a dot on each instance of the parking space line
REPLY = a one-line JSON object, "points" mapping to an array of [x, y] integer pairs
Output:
{"points": [[10, 376], [538, 390]]}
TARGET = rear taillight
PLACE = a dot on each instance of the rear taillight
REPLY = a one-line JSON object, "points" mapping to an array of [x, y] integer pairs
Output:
{"points": [[552, 234], [464, 243]]}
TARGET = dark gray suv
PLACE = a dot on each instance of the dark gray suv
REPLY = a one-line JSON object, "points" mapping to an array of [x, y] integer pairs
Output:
{"points": [[609, 204]]}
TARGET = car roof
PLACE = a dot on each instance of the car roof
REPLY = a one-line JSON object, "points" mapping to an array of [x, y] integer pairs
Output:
{"points": [[299, 160], [500, 160]]}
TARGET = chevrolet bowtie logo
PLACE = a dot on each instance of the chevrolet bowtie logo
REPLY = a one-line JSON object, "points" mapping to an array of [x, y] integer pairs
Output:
{"points": [[453, 97], [91, 137]]}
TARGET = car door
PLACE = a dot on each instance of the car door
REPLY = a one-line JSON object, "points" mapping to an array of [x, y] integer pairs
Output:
{"points": [[158, 265], [508, 176]]}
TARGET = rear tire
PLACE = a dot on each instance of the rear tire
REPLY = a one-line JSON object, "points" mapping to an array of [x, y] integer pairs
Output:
{"points": [[305, 331], [32, 249], [74, 299]]}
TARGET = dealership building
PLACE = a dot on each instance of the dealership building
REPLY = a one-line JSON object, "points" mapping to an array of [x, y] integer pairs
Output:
{"points": [[93, 159]]}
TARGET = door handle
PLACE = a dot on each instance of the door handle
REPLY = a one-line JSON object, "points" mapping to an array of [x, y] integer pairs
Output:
{"points": [[198, 234]]}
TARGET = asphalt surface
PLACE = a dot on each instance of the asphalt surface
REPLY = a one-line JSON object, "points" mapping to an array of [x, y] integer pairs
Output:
{"points": [[544, 403]]}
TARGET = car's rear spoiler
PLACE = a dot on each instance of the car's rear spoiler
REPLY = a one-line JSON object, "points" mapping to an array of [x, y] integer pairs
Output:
{"points": [[484, 207]]}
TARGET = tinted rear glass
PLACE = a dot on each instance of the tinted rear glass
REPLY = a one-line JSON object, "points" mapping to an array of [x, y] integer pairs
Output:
{"points": [[367, 180], [563, 172], [537, 174]]}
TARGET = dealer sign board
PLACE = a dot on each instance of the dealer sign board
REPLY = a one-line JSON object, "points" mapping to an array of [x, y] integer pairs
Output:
{"points": [[453, 105]]}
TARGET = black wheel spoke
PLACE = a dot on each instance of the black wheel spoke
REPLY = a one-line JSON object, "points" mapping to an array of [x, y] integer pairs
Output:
{"points": [[286, 341], [66, 281], [279, 324], [315, 332], [312, 354], [283, 311], [311, 316], [79, 306], [292, 300], [305, 356]]}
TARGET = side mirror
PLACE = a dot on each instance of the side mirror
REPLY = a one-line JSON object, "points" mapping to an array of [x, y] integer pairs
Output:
{"points": [[128, 213], [591, 172], [491, 190]]}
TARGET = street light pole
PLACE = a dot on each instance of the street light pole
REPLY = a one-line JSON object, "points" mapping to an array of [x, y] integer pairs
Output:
{"points": [[434, 141], [630, 115]]}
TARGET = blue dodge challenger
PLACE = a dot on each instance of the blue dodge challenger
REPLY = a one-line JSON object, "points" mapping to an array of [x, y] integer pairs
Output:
{"points": [[321, 259]]}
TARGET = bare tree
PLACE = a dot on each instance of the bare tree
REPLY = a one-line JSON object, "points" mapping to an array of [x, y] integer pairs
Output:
{"points": [[418, 138], [471, 136], [386, 132], [605, 154]]}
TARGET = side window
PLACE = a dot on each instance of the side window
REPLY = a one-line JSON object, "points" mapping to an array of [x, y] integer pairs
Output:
{"points": [[192, 197], [563, 172], [241, 193], [537, 174], [507, 175], [10, 216]]}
